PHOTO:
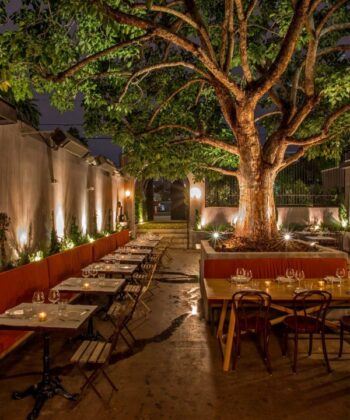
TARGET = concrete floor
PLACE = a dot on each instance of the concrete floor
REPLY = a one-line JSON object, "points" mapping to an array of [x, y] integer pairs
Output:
{"points": [[176, 371]]}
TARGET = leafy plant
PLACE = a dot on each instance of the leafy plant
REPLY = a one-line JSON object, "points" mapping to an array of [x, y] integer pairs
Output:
{"points": [[55, 244], [5, 222]]}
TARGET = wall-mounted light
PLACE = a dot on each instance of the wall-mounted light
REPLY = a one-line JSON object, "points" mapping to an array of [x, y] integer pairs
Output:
{"points": [[90, 188], [127, 193], [196, 193]]}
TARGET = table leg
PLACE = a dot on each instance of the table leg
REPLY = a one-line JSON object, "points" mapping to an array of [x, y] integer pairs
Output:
{"points": [[229, 341], [47, 388], [222, 319]]}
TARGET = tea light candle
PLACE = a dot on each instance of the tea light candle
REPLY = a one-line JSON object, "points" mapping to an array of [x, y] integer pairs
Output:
{"points": [[42, 316], [86, 285], [267, 283], [108, 267], [321, 283]]}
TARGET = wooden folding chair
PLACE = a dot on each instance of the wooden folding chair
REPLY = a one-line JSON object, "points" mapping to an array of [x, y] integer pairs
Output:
{"points": [[128, 307], [95, 355], [145, 280]]}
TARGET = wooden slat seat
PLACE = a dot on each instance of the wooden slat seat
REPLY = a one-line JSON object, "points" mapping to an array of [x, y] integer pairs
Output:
{"points": [[95, 352]]}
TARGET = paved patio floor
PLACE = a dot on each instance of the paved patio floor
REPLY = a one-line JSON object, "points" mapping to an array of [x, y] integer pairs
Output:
{"points": [[176, 370]]}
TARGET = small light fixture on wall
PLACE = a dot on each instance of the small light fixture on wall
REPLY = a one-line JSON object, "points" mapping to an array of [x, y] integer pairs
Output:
{"points": [[195, 192]]}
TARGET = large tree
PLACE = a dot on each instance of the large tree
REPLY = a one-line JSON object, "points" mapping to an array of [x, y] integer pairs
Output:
{"points": [[237, 87]]}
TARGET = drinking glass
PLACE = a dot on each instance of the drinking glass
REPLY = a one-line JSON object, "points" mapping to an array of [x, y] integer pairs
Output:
{"points": [[290, 273], [54, 296], [240, 272], [249, 274], [38, 297], [85, 272], [93, 272], [299, 275], [62, 308]]}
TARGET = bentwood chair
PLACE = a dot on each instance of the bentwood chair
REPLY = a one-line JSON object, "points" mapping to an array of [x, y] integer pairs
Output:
{"points": [[251, 310], [344, 326], [309, 316], [93, 357]]}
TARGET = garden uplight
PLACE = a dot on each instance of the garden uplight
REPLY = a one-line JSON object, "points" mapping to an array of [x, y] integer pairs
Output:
{"points": [[216, 235], [287, 237], [127, 193]]}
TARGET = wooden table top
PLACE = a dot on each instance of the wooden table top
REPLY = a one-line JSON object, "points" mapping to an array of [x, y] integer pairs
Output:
{"points": [[75, 316], [76, 284], [133, 250], [124, 269], [132, 258], [221, 289]]}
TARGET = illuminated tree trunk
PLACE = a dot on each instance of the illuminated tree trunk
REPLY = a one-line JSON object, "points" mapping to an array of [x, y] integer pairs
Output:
{"points": [[257, 213], [256, 177]]}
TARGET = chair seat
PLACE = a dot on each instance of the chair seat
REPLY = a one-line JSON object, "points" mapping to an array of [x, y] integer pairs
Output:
{"points": [[253, 324], [345, 321], [95, 352], [303, 324], [133, 288]]}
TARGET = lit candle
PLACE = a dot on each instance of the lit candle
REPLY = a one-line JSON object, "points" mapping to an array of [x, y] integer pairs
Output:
{"points": [[321, 284], [267, 283], [42, 316], [86, 285], [108, 267]]}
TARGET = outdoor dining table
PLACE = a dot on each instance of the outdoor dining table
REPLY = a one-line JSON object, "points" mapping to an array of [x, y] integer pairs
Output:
{"points": [[45, 318], [134, 250], [125, 258], [90, 287], [114, 269], [282, 294], [143, 243]]}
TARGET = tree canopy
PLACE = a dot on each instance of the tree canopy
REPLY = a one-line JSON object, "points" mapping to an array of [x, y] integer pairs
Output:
{"points": [[155, 74]]}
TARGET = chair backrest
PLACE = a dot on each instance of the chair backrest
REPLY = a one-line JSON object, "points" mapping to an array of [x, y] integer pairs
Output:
{"points": [[251, 309], [312, 303], [121, 319]]}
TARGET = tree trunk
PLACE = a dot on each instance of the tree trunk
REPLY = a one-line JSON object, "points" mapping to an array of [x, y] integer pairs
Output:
{"points": [[257, 212]]}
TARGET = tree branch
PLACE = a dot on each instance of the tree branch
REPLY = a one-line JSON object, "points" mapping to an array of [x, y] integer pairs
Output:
{"points": [[210, 142], [170, 97], [328, 15], [160, 66], [166, 34], [222, 171], [280, 64], [170, 127], [243, 40], [94, 57], [324, 134], [167, 10], [268, 114]]}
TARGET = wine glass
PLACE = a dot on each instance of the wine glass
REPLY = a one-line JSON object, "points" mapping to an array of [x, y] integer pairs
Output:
{"points": [[290, 273], [85, 272], [299, 275], [54, 296], [340, 273], [38, 297]]}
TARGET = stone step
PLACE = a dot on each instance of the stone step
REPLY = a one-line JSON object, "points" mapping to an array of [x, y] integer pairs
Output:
{"points": [[162, 231]]}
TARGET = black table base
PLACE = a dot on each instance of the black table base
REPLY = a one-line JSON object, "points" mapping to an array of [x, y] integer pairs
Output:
{"points": [[47, 388]]}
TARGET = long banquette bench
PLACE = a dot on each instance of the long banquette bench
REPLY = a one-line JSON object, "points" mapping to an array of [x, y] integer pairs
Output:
{"points": [[19, 284], [265, 268]]}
